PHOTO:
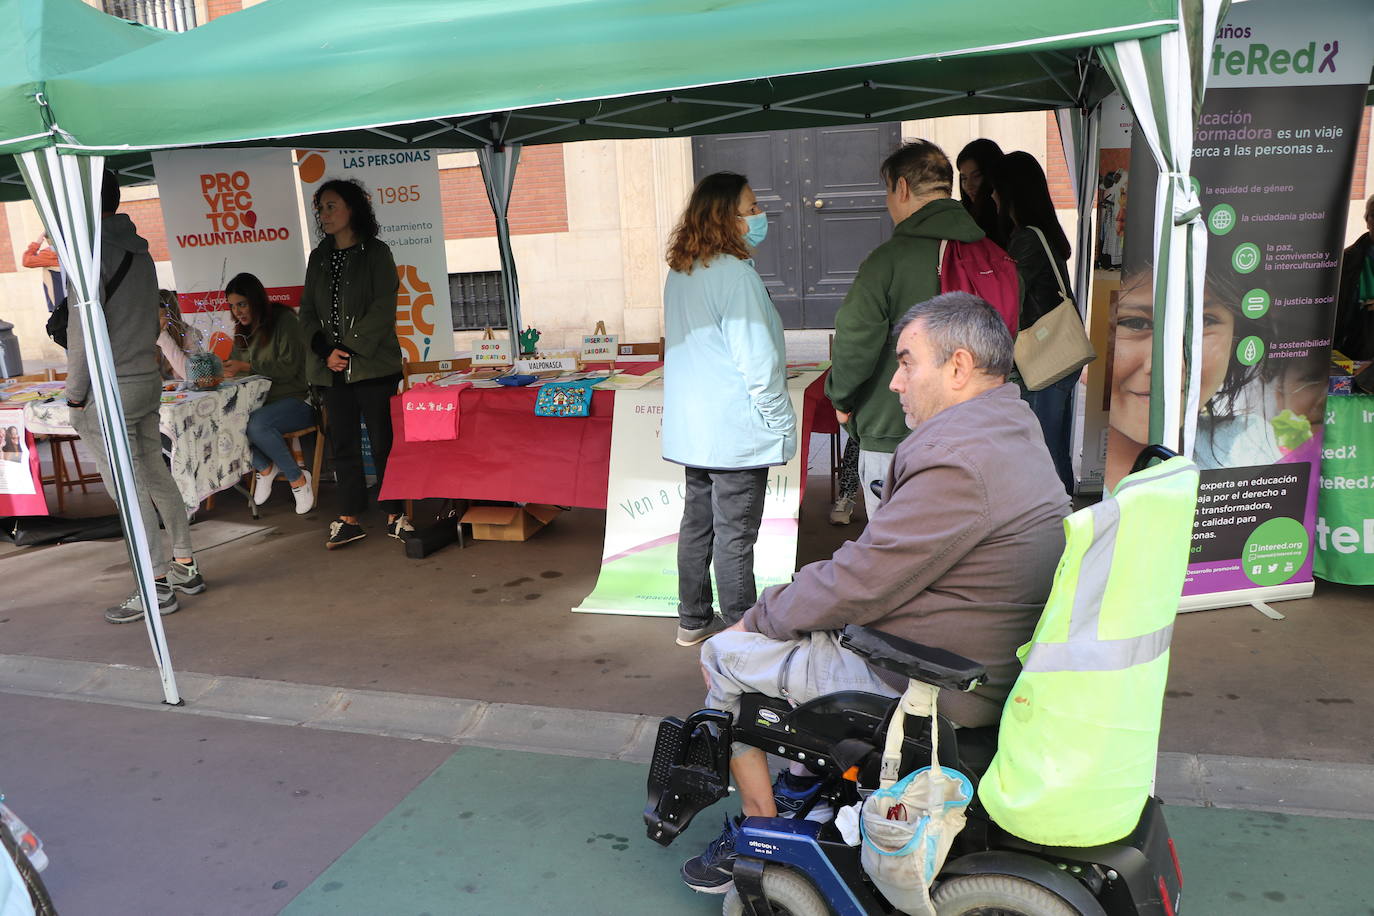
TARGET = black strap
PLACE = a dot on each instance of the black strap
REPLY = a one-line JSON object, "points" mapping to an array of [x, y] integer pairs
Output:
{"points": [[118, 277]]}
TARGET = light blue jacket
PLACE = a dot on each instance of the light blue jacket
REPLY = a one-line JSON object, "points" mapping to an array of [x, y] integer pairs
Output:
{"points": [[725, 401]]}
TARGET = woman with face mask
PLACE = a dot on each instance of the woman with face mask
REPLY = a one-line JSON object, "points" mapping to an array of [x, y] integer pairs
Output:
{"points": [[727, 416]]}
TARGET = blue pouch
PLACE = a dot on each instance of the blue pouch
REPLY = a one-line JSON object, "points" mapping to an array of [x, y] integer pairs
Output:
{"points": [[565, 399]]}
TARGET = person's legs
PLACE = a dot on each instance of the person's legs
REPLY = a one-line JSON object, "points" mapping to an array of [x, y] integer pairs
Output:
{"points": [[694, 538], [848, 489], [1052, 406], [737, 499], [266, 426], [345, 444], [156, 488], [374, 402], [873, 466]]}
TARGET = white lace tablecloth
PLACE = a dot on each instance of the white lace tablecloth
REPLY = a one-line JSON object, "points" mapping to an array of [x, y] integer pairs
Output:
{"points": [[208, 431]]}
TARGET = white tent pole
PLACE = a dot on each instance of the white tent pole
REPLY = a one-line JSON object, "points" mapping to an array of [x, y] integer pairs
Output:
{"points": [[67, 191], [498, 175]]}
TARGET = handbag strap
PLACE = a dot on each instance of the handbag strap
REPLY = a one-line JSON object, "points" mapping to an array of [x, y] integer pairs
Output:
{"points": [[119, 275], [1054, 264]]}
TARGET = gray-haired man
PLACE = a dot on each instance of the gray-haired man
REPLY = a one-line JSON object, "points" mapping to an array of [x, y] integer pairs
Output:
{"points": [[960, 554]]}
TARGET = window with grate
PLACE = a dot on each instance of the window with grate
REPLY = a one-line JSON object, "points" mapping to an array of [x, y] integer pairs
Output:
{"points": [[475, 300], [173, 15]]}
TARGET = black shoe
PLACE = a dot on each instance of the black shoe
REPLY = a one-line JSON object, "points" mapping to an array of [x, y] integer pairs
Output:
{"points": [[400, 528], [710, 872], [342, 532]]}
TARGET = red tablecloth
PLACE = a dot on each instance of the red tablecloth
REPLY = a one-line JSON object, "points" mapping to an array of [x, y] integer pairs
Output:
{"points": [[504, 452]]}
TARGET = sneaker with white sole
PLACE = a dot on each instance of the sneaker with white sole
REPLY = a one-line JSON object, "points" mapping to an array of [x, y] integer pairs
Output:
{"points": [[842, 511], [711, 872], [185, 578], [400, 528], [304, 495], [792, 792], [132, 608], [262, 485], [342, 532]]}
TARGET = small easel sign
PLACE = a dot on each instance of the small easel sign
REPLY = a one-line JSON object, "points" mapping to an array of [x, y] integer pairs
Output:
{"points": [[491, 352], [599, 347]]}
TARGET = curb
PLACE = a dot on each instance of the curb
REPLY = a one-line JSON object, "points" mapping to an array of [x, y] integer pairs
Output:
{"points": [[1300, 787]]}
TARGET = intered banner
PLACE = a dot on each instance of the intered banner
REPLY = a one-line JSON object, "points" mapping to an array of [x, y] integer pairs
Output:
{"points": [[230, 211], [404, 185], [644, 511], [1344, 548], [1274, 155]]}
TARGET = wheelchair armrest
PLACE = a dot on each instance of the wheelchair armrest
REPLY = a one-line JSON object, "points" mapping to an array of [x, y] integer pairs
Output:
{"points": [[937, 667]]}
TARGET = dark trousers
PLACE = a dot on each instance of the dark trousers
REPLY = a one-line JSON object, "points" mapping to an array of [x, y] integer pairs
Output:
{"points": [[720, 523], [1053, 407], [348, 406]]}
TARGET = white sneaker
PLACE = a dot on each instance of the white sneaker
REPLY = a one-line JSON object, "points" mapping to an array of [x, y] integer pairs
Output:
{"points": [[841, 511], [305, 495], [262, 485]]}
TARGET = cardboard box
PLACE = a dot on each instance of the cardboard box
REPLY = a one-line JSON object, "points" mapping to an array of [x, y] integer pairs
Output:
{"points": [[508, 523]]}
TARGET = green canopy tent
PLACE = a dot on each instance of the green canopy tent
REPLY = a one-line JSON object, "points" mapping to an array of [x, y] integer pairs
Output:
{"points": [[494, 76], [40, 40]]}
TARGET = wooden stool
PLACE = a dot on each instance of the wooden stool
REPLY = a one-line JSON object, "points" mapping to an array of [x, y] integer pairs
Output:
{"points": [[293, 440]]}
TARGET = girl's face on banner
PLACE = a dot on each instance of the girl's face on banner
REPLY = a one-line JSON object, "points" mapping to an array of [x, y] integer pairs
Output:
{"points": [[1133, 358]]}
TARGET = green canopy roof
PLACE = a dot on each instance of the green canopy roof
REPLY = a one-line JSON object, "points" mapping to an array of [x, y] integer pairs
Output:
{"points": [[462, 73]]}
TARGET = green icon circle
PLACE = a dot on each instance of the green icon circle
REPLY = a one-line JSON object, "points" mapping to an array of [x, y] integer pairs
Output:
{"points": [[1245, 258], [1254, 303], [1197, 186], [1250, 350], [1275, 551], [1222, 219]]}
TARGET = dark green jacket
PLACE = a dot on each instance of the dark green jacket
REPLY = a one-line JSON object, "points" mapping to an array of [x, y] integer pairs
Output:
{"points": [[367, 313], [895, 276], [281, 357]]}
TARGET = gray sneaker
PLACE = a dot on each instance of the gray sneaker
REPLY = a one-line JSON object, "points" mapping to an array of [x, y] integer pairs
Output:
{"points": [[185, 578], [687, 637], [131, 610]]}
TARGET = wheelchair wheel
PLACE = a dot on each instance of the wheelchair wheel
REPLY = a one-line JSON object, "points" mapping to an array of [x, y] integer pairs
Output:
{"points": [[38, 891], [789, 893], [997, 895]]}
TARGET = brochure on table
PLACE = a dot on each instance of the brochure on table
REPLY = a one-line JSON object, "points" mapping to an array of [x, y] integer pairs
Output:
{"points": [[644, 511]]}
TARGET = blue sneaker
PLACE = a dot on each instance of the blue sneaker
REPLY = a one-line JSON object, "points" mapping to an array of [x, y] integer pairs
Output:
{"points": [[710, 872], [791, 793]]}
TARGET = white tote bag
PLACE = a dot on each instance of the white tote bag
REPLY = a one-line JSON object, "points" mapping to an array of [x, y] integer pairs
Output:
{"points": [[1057, 344]]}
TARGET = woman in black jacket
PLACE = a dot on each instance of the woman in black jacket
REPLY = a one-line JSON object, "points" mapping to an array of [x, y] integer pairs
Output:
{"points": [[348, 319], [1037, 243]]}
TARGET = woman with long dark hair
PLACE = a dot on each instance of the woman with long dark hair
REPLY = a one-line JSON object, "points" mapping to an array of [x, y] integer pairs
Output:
{"points": [[1037, 243], [348, 317], [976, 163], [727, 416], [268, 342]]}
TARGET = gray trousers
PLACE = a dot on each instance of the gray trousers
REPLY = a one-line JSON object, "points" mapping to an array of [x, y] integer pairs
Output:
{"points": [[873, 466], [796, 670], [720, 523], [152, 479]]}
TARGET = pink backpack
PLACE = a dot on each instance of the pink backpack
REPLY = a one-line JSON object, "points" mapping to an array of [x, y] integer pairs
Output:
{"points": [[984, 269]]}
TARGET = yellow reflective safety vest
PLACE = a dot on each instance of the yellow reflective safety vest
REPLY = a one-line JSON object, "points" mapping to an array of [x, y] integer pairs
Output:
{"points": [[1080, 731]]}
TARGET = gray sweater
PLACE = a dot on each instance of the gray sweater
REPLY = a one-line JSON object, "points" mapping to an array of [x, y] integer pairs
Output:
{"points": [[130, 315], [960, 555]]}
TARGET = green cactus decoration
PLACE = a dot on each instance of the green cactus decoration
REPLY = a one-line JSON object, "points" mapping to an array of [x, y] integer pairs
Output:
{"points": [[204, 370], [529, 341]]}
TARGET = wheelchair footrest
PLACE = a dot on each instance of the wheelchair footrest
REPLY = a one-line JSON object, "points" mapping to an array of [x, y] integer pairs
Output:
{"points": [[689, 772]]}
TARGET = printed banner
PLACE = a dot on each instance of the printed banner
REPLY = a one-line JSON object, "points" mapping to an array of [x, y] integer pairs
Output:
{"points": [[1344, 546], [404, 185], [21, 484], [644, 511], [1274, 155], [226, 212]]}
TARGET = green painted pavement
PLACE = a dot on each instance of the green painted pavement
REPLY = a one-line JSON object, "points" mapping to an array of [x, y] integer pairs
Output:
{"points": [[500, 832]]}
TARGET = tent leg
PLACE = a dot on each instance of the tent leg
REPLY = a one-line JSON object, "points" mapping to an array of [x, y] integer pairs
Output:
{"points": [[66, 190], [498, 174]]}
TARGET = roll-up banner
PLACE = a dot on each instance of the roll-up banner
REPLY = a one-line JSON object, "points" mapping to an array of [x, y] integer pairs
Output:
{"points": [[226, 212], [1274, 153], [404, 186]]}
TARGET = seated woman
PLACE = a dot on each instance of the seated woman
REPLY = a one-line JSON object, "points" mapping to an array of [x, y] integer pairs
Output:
{"points": [[269, 342], [175, 339]]}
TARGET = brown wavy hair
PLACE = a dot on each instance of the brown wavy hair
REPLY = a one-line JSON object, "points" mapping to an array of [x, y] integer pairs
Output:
{"points": [[709, 224]]}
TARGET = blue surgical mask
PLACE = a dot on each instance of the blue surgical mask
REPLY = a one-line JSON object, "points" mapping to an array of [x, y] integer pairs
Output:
{"points": [[758, 229]]}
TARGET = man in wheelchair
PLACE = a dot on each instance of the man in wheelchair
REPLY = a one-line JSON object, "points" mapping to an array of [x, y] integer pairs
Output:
{"points": [[961, 555]]}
